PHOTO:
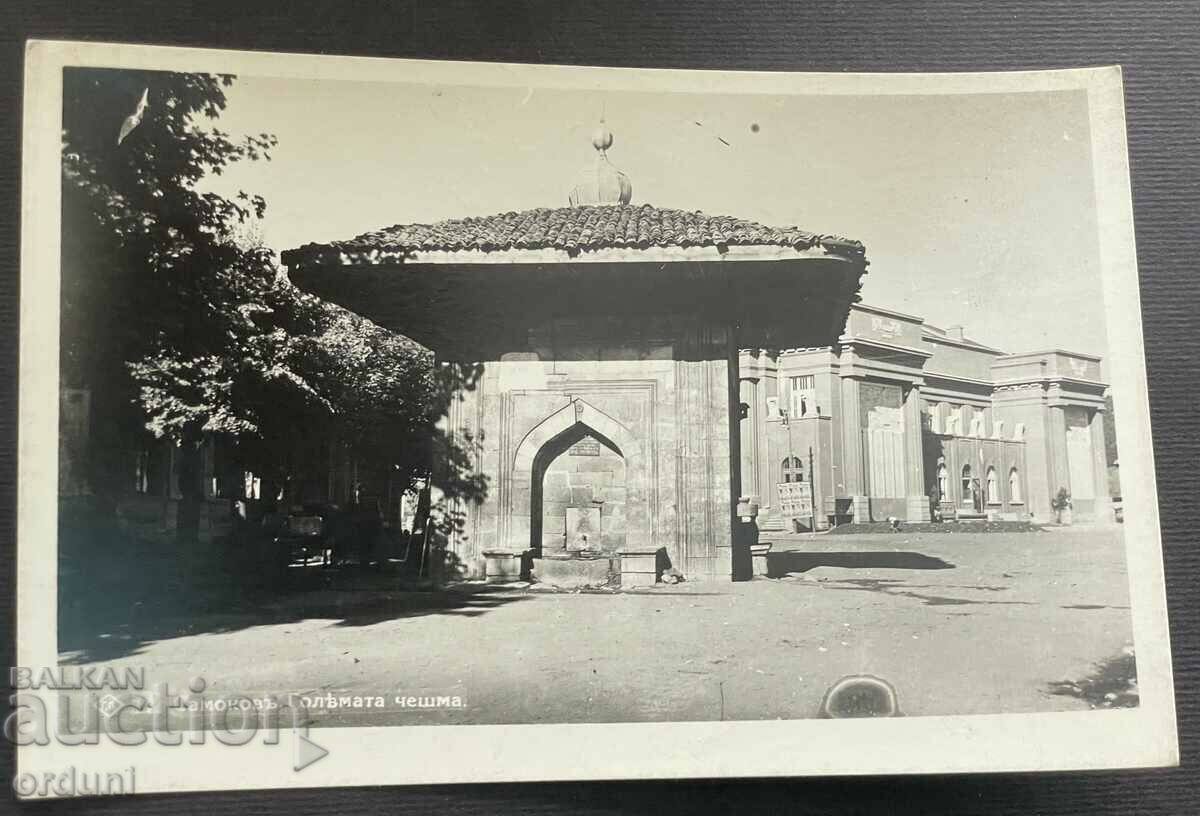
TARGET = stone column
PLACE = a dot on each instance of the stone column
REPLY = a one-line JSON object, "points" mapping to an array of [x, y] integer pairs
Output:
{"points": [[768, 385], [916, 502], [734, 551], [460, 427], [750, 427], [852, 450], [1104, 510], [1056, 446]]}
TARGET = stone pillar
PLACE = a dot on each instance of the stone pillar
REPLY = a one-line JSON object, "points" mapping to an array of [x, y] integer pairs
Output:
{"points": [[916, 502], [1056, 446], [751, 428], [460, 429], [853, 476], [768, 386], [737, 543], [1104, 511]]}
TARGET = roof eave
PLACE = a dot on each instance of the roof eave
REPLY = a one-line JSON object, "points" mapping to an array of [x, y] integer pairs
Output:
{"points": [[332, 256]]}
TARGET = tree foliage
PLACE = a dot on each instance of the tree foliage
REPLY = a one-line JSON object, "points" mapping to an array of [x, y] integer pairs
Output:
{"points": [[149, 264], [376, 393], [181, 326], [172, 296], [163, 312]]}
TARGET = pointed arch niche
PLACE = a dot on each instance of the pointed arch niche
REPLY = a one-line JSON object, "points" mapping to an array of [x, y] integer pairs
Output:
{"points": [[541, 497]]}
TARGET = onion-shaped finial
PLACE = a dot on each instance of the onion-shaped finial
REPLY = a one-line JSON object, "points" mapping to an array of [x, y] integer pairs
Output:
{"points": [[601, 183], [602, 137]]}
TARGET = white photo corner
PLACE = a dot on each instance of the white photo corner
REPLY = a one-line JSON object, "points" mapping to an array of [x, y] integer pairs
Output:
{"points": [[395, 422]]}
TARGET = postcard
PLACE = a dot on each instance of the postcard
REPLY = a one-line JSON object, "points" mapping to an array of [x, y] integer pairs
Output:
{"points": [[390, 421]]}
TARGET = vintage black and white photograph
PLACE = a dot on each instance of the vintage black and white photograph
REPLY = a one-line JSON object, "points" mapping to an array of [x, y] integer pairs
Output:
{"points": [[404, 399]]}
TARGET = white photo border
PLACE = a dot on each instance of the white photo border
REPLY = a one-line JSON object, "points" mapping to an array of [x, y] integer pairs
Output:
{"points": [[1140, 737]]}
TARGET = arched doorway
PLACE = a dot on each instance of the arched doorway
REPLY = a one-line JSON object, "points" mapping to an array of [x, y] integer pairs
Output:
{"points": [[579, 494], [539, 453]]}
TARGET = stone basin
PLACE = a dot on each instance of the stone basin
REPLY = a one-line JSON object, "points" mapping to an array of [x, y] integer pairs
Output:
{"points": [[576, 569]]}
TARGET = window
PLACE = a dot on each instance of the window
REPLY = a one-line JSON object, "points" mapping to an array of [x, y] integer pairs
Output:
{"points": [[966, 484], [141, 472], [150, 469], [967, 425], [227, 480], [953, 415], [802, 395], [793, 469], [252, 485], [993, 486], [1014, 486]]}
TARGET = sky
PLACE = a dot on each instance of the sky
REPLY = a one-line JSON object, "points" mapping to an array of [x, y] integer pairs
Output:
{"points": [[974, 209]]}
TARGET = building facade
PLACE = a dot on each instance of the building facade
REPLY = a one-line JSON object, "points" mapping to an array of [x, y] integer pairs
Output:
{"points": [[143, 481], [900, 419]]}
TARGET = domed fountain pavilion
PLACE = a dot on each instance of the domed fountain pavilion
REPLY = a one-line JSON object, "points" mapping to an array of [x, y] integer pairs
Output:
{"points": [[607, 417]]}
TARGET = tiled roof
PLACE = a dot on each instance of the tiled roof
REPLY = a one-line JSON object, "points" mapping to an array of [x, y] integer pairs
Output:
{"points": [[571, 229]]}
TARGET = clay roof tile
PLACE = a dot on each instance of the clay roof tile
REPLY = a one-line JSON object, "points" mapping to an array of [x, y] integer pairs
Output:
{"points": [[572, 229]]}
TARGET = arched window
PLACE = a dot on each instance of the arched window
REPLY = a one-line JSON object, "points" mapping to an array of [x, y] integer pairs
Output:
{"points": [[793, 469], [993, 486], [1014, 486], [943, 482], [966, 484]]}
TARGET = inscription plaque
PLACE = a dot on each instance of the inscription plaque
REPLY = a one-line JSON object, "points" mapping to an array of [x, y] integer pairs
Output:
{"points": [[585, 447]]}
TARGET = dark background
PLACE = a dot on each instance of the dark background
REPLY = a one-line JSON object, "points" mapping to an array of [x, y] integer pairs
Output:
{"points": [[1157, 43]]}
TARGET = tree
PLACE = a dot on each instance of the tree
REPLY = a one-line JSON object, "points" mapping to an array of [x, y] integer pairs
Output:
{"points": [[165, 316], [183, 326], [372, 391]]}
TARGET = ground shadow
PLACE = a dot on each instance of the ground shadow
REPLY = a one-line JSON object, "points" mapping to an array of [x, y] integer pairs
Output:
{"points": [[123, 585], [1112, 684], [948, 527], [93, 634], [899, 588], [785, 563]]}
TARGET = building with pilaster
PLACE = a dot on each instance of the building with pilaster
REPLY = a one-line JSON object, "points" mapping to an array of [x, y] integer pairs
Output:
{"points": [[904, 420]]}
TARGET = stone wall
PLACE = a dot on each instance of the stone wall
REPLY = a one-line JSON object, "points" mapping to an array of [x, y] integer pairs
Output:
{"points": [[1007, 497], [583, 498], [656, 394]]}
